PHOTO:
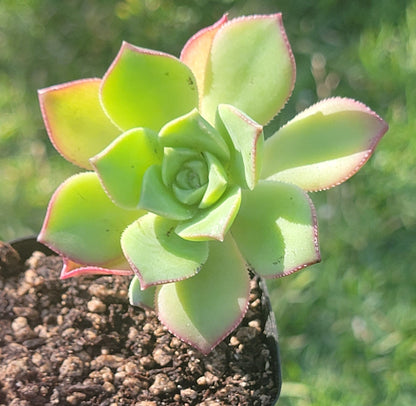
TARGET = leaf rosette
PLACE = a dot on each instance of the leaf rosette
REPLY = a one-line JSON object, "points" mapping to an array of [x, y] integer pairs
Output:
{"points": [[182, 190], [192, 177]]}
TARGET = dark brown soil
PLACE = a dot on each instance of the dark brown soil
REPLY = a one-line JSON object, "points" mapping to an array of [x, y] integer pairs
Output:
{"points": [[79, 342]]}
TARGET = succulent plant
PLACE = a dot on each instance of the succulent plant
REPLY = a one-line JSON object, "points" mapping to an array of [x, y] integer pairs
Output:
{"points": [[181, 189]]}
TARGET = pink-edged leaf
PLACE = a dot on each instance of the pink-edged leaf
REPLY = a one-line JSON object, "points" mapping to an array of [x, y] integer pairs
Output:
{"points": [[75, 121], [122, 164], [214, 222], [251, 67], [276, 229], [324, 145], [195, 53], [204, 309], [157, 254], [145, 88], [246, 144], [72, 269], [83, 224]]}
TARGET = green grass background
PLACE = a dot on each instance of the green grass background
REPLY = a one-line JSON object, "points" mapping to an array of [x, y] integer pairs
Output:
{"points": [[348, 325]]}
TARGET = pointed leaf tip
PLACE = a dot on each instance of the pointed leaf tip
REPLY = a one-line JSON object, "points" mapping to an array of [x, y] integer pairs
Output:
{"points": [[75, 121], [246, 141], [324, 145], [214, 222], [204, 309], [195, 53], [145, 88], [261, 76]]}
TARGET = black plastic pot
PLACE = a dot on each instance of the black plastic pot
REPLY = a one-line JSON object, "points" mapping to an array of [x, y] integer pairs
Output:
{"points": [[26, 246], [270, 330]]}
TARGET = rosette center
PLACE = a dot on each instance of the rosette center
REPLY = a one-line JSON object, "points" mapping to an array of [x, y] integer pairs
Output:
{"points": [[195, 178], [191, 181], [194, 174]]}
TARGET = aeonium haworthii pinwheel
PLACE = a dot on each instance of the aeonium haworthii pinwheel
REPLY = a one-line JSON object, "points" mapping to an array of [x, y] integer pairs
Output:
{"points": [[181, 189]]}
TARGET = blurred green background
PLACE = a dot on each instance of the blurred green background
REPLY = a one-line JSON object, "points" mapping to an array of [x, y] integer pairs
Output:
{"points": [[348, 325]]}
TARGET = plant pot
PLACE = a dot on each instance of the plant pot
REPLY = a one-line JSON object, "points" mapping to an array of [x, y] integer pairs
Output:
{"points": [[79, 342]]}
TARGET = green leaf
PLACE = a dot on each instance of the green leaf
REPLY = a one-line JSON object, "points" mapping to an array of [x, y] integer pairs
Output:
{"points": [[192, 175], [204, 309], [246, 139], [324, 145], [196, 51], [142, 298], [75, 120], [158, 199], [251, 67], [122, 164], [189, 196], [83, 224], [174, 160], [194, 132], [213, 222], [157, 254], [276, 229], [217, 181], [145, 88]]}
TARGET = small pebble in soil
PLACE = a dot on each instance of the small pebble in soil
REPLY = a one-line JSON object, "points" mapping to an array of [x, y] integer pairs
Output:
{"points": [[96, 306], [78, 342], [162, 384]]}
